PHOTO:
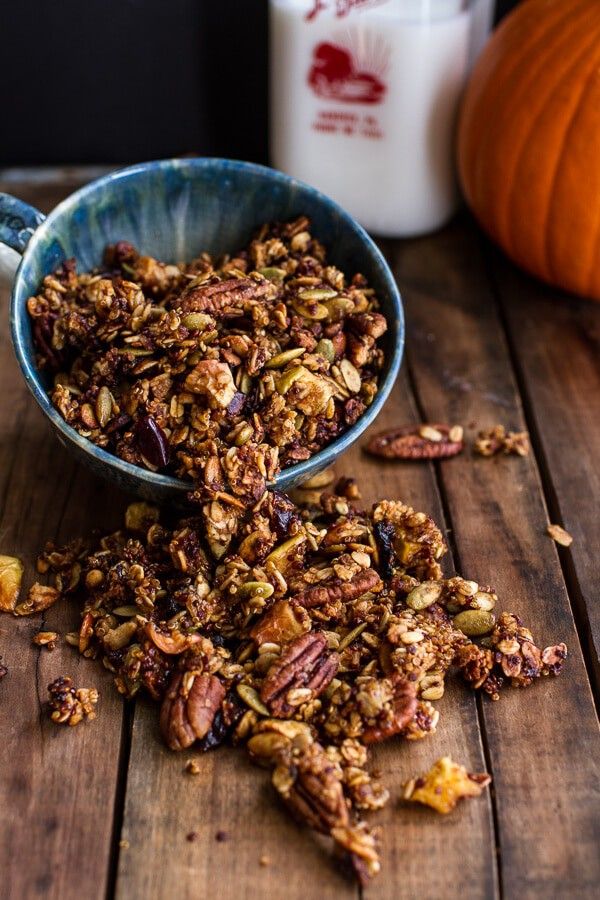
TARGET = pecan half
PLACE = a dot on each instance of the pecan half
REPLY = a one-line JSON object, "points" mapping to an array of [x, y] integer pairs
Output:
{"points": [[403, 708], [417, 442], [301, 673], [310, 786], [336, 589], [226, 296], [189, 708]]}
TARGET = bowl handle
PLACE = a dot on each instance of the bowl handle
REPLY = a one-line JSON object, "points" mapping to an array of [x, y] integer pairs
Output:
{"points": [[18, 221]]}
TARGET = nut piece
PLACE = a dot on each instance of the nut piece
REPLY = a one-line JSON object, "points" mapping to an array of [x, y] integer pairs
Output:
{"points": [[444, 785], [214, 380], [281, 623], [417, 442], [303, 671], [493, 441], [11, 573], [68, 705], [402, 709], [39, 598], [559, 535], [310, 786], [189, 708], [361, 583], [46, 639]]}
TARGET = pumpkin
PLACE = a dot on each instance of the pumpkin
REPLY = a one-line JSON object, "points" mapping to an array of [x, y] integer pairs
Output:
{"points": [[529, 141]]}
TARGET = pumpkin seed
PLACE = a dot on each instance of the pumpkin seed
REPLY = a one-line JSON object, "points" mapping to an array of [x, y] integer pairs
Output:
{"points": [[340, 307], [351, 376], [317, 294], [474, 622], [251, 699], [424, 595], [264, 662], [196, 321], [311, 309], [326, 349], [255, 589], [125, 611], [280, 359], [243, 435], [104, 406], [351, 636], [281, 553], [287, 378], [320, 480], [272, 273]]}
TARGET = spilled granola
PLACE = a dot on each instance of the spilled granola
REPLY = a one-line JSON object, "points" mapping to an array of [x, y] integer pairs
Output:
{"points": [[222, 371], [322, 630]]}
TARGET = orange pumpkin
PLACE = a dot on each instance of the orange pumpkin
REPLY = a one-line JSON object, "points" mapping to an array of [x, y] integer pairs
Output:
{"points": [[529, 141]]}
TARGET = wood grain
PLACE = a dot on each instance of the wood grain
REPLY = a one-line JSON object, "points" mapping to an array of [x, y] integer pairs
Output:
{"points": [[57, 784], [62, 786], [543, 743], [556, 350]]}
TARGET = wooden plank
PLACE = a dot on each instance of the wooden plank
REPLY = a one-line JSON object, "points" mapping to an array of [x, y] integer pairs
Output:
{"points": [[543, 743], [163, 803], [556, 347], [57, 785]]}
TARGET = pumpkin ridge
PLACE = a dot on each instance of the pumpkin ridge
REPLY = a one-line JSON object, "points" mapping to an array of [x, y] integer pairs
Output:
{"points": [[510, 164], [581, 268], [557, 166], [494, 88], [507, 80], [511, 240]]}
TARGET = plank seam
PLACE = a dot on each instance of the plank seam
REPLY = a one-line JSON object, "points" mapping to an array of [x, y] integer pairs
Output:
{"points": [[456, 563], [120, 797], [567, 566]]}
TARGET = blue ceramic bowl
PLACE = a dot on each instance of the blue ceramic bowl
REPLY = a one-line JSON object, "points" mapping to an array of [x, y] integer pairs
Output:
{"points": [[173, 209]]}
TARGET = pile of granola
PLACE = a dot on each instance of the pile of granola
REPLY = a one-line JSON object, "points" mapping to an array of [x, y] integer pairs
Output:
{"points": [[219, 371], [324, 629]]}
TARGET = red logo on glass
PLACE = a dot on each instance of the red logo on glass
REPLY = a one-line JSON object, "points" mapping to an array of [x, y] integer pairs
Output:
{"points": [[338, 72]]}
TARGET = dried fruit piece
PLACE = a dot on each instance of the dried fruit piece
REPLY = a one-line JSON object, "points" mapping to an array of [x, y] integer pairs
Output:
{"points": [[444, 785], [69, 705], [11, 573], [416, 442], [152, 442], [303, 671], [559, 535], [281, 623]]}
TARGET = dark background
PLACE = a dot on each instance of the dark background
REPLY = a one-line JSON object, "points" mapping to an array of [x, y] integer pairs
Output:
{"points": [[119, 81]]}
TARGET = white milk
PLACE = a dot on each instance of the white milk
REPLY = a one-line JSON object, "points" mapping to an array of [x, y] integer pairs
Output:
{"points": [[364, 96]]}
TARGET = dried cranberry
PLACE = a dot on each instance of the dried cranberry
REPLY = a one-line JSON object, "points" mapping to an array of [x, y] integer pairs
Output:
{"points": [[384, 535], [152, 442]]}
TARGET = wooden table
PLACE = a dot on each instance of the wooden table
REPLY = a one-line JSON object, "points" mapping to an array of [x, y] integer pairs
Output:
{"points": [[104, 808]]}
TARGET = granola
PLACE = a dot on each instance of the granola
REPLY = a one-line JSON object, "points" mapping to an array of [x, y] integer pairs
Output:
{"points": [[418, 442], [69, 705], [496, 440], [305, 634], [220, 371]]}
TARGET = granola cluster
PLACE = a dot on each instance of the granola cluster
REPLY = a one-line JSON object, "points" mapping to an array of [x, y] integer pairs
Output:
{"points": [[322, 630], [221, 371]]}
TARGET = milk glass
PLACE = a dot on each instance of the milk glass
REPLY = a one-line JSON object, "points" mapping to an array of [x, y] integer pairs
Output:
{"points": [[364, 96]]}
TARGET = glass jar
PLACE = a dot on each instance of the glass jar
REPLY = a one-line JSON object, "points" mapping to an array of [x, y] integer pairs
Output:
{"points": [[364, 95]]}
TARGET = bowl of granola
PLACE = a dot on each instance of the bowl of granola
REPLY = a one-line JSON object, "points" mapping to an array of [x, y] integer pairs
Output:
{"points": [[202, 327]]}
